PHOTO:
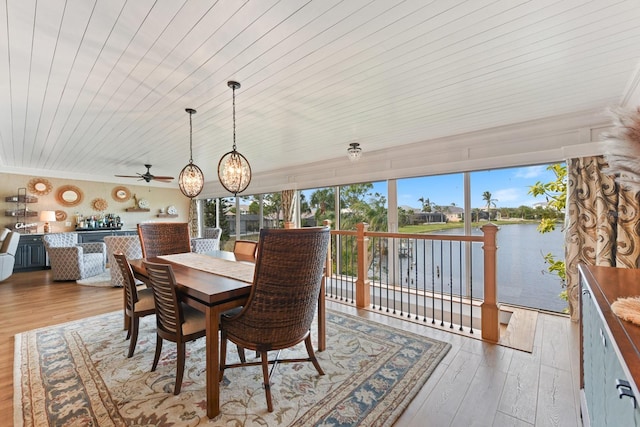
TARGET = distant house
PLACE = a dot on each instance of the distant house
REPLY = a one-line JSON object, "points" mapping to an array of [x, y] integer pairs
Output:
{"points": [[427, 218], [454, 213]]}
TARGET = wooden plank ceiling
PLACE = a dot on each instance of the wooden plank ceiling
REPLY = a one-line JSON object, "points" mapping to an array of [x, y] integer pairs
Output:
{"points": [[100, 87]]}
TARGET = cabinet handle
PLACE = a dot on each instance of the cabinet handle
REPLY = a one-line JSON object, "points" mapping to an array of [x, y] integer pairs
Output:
{"points": [[586, 292], [624, 389], [603, 338]]}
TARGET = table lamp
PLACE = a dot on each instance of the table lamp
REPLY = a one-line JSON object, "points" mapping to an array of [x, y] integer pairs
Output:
{"points": [[47, 216]]}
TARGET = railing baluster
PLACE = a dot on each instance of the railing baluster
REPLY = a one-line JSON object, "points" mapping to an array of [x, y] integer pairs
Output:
{"points": [[451, 285], [371, 264], [471, 287], [461, 308]]}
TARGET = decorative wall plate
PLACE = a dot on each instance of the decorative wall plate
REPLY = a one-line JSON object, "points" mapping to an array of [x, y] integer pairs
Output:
{"points": [[69, 195], [61, 215], [99, 204], [121, 194], [143, 204], [171, 210], [39, 186]]}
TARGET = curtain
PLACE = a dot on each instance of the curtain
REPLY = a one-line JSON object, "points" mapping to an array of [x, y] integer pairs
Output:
{"points": [[602, 223], [288, 205], [193, 218]]}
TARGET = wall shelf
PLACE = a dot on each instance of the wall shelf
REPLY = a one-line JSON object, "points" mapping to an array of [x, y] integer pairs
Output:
{"points": [[137, 210], [21, 213], [166, 215]]}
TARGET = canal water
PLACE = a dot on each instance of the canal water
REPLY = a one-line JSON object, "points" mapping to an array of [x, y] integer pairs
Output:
{"points": [[522, 277]]}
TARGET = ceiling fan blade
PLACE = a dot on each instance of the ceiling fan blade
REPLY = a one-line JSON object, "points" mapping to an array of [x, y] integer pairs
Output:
{"points": [[163, 178], [128, 176]]}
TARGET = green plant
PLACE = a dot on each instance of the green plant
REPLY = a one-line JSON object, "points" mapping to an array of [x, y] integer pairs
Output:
{"points": [[556, 194]]}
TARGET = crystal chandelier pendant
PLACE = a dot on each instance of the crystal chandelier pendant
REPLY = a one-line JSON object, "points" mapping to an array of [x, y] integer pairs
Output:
{"points": [[234, 170], [191, 180]]}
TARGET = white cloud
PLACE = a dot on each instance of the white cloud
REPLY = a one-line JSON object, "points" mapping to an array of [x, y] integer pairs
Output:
{"points": [[530, 172], [507, 196]]}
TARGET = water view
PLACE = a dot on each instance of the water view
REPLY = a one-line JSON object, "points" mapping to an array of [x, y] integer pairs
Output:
{"points": [[522, 273]]}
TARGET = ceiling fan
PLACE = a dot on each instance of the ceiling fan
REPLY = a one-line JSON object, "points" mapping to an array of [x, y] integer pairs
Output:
{"points": [[147, 176]]}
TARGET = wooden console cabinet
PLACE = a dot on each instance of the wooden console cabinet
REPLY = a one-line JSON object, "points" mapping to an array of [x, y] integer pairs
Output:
{"points": [[610, 349]]}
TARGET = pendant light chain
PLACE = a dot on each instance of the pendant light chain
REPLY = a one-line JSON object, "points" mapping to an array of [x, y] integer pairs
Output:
{"points": [[233, 89], [190, 138]]}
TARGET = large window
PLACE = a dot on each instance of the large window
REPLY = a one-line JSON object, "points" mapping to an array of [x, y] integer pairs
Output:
{"points": [[440, 204]]}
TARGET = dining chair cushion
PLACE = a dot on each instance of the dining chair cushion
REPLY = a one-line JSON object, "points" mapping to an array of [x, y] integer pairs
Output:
{"points": [[194, 320], [145, 300]]}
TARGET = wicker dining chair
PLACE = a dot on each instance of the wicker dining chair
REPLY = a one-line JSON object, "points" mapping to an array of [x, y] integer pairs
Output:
{"points": [[164, 238], [283, 299], [175, 321], [139, 303]]}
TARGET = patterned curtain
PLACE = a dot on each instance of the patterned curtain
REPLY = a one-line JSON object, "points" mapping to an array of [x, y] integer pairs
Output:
{"points": [[193, 218], [288, 205], [602, 223]]}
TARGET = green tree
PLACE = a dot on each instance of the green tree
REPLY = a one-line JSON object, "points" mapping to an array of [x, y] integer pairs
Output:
{"points": [[486, 196], [555, 192], [427, 204], [323, 200], [403, 217], [210, 217]]}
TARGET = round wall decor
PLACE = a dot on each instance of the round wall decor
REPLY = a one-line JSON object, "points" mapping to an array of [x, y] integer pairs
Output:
{"points": [[61, 215], [121, 194], [39, 186], [69, 195], [99, 204]]}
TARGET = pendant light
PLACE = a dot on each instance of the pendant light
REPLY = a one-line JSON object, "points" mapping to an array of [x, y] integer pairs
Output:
{"points": [[234, 170], [191, 179], [354, 152]]}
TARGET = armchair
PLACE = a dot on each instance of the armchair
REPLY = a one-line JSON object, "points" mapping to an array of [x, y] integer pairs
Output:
{"points": [[8, 247], [130, 247], [210, 240], [71, 260]]}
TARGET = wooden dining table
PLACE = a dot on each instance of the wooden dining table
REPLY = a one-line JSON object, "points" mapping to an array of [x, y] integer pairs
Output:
{"points": [[214, 294]]}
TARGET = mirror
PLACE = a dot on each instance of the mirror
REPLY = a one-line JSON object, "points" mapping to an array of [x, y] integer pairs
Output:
{"points": [[69, 195], [121, 194], [39, 186]]}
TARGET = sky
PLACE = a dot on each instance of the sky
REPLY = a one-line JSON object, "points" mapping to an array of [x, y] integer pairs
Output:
{"points": [[509, 187]]}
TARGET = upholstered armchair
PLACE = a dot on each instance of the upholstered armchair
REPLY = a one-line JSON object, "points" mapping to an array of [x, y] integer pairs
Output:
{"points": [[210, 241], [8, 246], [71, 260], [129, 246]]}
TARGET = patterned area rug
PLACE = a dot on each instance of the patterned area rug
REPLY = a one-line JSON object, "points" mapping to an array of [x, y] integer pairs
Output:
{"points": [[102, 280], [78, 374]]}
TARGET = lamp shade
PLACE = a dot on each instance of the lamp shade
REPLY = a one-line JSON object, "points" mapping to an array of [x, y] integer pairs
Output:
{"points": [[47, 216]]}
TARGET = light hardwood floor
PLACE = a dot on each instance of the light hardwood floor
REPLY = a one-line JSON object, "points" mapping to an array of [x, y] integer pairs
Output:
{"points": [[477, 384]]}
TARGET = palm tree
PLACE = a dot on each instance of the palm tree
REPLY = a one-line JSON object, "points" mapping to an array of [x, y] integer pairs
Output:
{"points": [[426, 204], [486, 196]]}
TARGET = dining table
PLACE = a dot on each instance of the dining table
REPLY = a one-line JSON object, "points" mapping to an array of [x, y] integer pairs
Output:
{"points": [[213, 283]]}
